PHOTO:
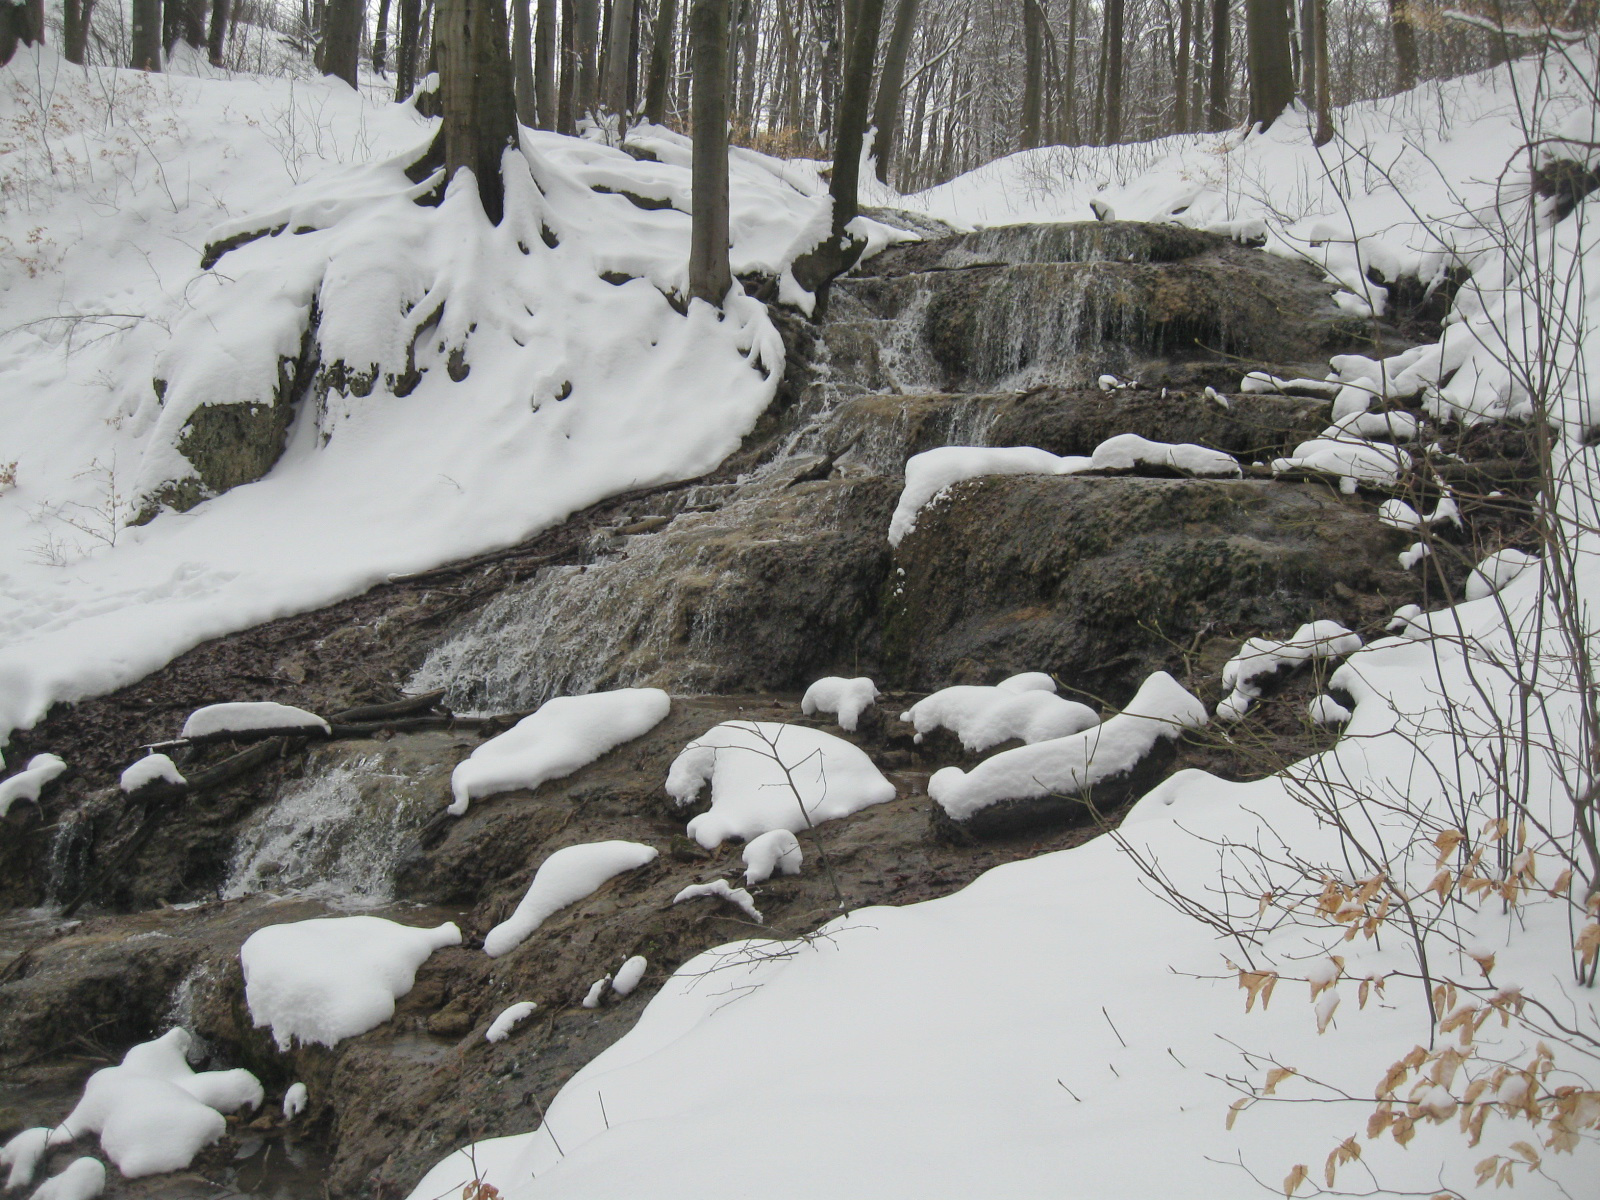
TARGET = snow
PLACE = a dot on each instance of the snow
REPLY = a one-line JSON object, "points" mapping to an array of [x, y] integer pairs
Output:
{"points": [[629, 974], [1397, 514], [775, 850], [1325, 710], [149, 769], [248, 716], [1068, 765], [1413, 554], [567, 876], [1494, 572], [369, 486], [565, 735], [294, 1101], [986, 716], [596, 991], [1260, 658], [928, 474], [510, 1017], [846, 698], [767, 776], [330, 978], [152, 1112], [1362, 461], [721, 889], [81, 1179], [24, 1152], [29, 782]]}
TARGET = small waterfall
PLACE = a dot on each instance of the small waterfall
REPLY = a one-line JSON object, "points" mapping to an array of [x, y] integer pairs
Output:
{"points": [[67, 867], [337, 833]]}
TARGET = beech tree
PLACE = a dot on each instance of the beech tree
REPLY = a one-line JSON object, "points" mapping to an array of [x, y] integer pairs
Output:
{"points": [[709, 274], [341, 38], [886, 110], [146, 35], [1271, 68], [21, 21], [480, 121]]}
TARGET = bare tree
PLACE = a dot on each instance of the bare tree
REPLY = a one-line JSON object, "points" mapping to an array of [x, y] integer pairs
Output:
{"points": [[1271, 67], [544, 65], [146, 37], [1218, 99], [522, 60], [655, 95], [480, 123], [619, 58], [341, 43], [886, 111], [709, 275], [1033, 27], [1404, 31], [1113, 110], [380, 38]]}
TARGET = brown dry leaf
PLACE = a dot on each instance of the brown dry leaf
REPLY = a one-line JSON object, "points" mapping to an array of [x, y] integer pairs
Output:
{"points": [[1447, 843], [1588, 943], [1295, 1178], [1485, 1169], [1235, 1109], [1485, 963], [1258, 984], [1274, 1077], [1563, 882], [1527, 1151], [1363, 991], [1404, 1130], [1346, 1151]]}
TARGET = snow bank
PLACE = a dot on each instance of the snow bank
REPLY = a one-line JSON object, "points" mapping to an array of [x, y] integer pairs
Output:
{"points": [[629, 974], [565, 735], [29, 782], [242, 716], [153, 1113], [721, 889], [766, 776], [1260, 658], [1487, 578], [1069, 765], [500, 1028], [331, 978], [846, 698], [149, 769], [1020, 707], [567, 876], [81, 1179], [775, 850]]}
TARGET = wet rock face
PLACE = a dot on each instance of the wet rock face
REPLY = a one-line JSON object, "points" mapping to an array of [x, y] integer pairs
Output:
{"points": [[1104, 580]]}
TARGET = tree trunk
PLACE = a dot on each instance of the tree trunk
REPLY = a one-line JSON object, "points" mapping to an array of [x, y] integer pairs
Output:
{"points": [[749, 44], [587, 31], [217, 32], [480, 122], [544, 66], [566, 118], [825, 18], [1032, 71], [146, 36], [1271, 67], [20, 23], [1219, 64], [618, 59], [709, 275], [655, 94], [1185, 46], [184, 21], [851, 118], [886, 112], [522, 60], [1069, 81], [1113, 126], [380, 39], [405, 59], [1319, 56], [1405, 45], [341, 41]]}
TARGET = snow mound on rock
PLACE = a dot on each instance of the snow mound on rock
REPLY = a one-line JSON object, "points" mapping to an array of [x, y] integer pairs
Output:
{"points": [[564, 878], [1023, 707]]}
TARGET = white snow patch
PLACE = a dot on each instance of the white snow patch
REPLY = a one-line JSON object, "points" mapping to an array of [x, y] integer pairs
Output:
{"points": [[1162, 708], [331, 978], [567, 876], [1413, 554], [721, 889], [25, 1151], [929, 473], [765, 775], [29, 782], [597, 989], [246, 716], [500, 1028], [1261, 657], [153, 1113], [1129, 451], [846, 698], [148, 769], [775, 850], [629, 974], [565, 735], [1325, 710], [81, 1179], [986, 716], [294, 1101], [1364, 462], [1492, 574]]}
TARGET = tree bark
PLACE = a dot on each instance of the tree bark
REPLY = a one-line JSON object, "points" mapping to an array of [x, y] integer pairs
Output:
{"points": [[1032, 71], [380, 39], [20, 23], [1319, 56], [405, 59], [1271, 66], [1185, 46], [341, 41], [1219, 64], [480, 122], [1069, 81], [1113, 125], [1405, 45], [655, 95], [886, 112], [619, 59], [566, 118], [217, 34], [709, 275], [522, 59], [185, 21], [587, 30], [825, 24], [146, 38], [75, 15], [544, 65]]}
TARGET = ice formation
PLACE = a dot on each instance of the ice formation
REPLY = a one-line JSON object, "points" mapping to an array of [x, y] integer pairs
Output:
{"points": [[766, 776], [294, 1101], [565, 735], [564, 878]]}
